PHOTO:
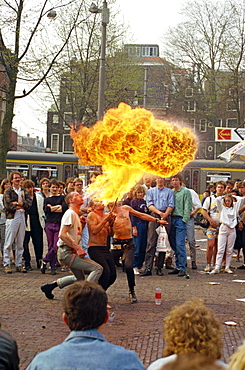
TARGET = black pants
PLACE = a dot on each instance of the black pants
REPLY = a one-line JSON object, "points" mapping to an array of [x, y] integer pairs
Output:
{"points": [[36, 234], [103, 256], [127, 255]]}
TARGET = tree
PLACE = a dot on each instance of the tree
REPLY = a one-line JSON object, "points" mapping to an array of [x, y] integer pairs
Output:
{"points": [[77, 72], [202, 43], [23, 28]]}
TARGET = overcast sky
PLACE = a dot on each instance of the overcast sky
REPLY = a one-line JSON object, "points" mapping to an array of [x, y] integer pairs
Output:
{"points": [[147, 21]]}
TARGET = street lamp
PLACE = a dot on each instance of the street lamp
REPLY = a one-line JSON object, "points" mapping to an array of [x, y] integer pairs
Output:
{"points": [[104, 21]]}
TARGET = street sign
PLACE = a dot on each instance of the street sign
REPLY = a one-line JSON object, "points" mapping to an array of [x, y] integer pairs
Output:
{"points": [[229, 134]]}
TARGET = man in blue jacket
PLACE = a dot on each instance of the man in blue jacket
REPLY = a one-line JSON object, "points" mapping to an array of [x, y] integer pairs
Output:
{"points": [[85, 312]]}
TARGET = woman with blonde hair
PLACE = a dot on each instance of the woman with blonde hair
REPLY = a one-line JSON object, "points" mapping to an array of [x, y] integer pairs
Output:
{"points": [[191, 328], [238, 359]]}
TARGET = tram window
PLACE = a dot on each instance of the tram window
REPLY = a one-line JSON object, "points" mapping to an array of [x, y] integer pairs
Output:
{"points": [[38, 172], [22, 168], [187, 178], [196, 181], [214, 176], [75, 171], [67, 172]]}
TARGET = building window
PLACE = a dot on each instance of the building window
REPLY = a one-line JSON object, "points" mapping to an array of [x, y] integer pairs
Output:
{"points": [[231, 122], [54, 142], [55, 119], [68, 120], [189, 92], [67, 144], [190, 106], [193, 124], [203, 125], [230, 105]]}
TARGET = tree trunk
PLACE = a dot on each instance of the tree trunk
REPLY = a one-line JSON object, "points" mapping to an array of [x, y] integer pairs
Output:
{"points": [[5, 131]]}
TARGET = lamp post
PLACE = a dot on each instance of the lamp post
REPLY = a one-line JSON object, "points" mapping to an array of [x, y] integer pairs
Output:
{"points": [[104, 21]]}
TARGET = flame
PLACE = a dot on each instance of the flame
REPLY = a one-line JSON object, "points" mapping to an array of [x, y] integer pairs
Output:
{"points": [[128, 143]]}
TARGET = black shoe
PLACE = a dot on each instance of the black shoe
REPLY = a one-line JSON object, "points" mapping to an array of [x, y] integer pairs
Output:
{"points": [[174, 272], [28, 268], [242, 267], [146, 273], [132, 297], [53, 271], [193, 265], [159, 271], [43, 267], [181, 273], [47, 290]]}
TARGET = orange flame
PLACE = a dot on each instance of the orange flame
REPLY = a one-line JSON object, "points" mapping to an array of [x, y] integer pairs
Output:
{"points": [[128, 143]]}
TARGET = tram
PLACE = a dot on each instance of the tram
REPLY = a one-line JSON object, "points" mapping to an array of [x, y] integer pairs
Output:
{"points": [[199, 173], [34, 166]]}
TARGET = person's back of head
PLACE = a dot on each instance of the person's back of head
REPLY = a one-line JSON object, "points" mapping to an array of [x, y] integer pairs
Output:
{"points": [[85, 306], [193, 328], [192, 361], [238, 359]]}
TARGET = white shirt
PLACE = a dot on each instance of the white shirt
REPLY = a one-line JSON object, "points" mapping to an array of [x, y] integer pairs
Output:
{"points": [[158, 364], [71, 218], [228, 215]]}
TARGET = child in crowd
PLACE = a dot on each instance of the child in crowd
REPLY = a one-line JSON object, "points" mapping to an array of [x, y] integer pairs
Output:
{"points": [[229, 208]]}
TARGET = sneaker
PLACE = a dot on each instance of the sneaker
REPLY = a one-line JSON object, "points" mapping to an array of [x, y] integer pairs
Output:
{"points": [[181, 273], [24, 270], [242, 267], [228, 271], [132, 297], [136, 272], [53, 271], [7, 269], [19, 269], [146, 273], [215, 271], [174, 272], [47, 290], [207, 268], [43, 267]]}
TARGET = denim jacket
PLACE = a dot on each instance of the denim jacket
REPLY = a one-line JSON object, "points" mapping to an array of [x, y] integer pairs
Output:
{"points": [[86, 350]]}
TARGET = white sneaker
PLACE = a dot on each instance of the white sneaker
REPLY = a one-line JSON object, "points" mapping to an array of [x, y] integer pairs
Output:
{"points": [[207, 268], [229, 271], [136, 272], [215, 271]]}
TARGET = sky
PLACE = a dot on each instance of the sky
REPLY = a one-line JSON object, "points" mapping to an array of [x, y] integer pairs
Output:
{"points": [[147, 22]]}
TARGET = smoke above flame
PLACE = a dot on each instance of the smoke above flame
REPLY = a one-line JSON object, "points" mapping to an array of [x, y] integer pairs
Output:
{"points": [[128, 143]]}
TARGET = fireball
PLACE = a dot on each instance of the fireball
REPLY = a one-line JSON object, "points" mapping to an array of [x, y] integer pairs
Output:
{"points": [[128, 143]]}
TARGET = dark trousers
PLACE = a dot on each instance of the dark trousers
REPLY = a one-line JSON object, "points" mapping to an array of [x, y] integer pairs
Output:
{"points": [[127, 255], [103, 257], [36, 234], [152, 241], [140, 243]]}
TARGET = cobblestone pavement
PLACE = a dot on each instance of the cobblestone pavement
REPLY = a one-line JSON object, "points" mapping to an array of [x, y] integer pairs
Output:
{"points": [[35, 322]]}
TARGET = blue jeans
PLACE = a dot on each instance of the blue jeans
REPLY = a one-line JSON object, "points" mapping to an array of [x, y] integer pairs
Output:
{"points": [[140, 243], [177, 241]]}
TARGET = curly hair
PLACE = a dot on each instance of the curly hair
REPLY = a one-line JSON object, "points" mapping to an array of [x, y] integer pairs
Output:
{"points": [[193, 328], [238, 359]]}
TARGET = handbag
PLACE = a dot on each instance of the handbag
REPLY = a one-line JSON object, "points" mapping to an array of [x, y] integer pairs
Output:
{"points": [[201, 221]]}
